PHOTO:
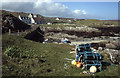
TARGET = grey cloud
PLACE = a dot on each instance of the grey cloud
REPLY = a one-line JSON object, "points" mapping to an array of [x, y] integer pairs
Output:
{"points": [[43, 8], [46, 8]]}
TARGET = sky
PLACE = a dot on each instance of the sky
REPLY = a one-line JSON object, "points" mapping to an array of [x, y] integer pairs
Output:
{"points": [[74, 9], [98, 10]]}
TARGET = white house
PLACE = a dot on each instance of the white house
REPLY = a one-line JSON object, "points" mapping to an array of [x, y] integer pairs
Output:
{"points": [[57, 19], [32, 19], [25, 19], [49, 23], [31, 16]]}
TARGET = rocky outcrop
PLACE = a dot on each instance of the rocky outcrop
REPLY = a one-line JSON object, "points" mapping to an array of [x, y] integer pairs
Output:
{"points": [[113, 45], [70, 28], [36, 35], [11, 22], [114, 55]]}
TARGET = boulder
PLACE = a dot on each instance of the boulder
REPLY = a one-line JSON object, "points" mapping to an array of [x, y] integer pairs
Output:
{"points": [[113, 55], [110, 46], [36, 35]]}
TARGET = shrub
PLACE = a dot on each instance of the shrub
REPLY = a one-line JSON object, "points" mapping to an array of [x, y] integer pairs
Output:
{"points": [[13, 52]]}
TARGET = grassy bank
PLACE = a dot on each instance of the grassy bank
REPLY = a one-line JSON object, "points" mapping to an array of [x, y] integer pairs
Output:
{"points": [[23, 57]]}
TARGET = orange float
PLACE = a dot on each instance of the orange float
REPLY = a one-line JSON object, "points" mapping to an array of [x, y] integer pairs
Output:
{"points": [[79, 65], [75, 63]]}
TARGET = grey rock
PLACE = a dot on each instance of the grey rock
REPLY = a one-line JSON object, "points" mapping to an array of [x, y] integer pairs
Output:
{"points": [[110, 46]]}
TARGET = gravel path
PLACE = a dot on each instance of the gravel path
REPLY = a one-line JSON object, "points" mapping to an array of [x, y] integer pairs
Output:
{"points": [[84, 42]]}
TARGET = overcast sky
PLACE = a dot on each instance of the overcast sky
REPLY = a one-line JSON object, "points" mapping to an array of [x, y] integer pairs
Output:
{"points": [[78, 9]]}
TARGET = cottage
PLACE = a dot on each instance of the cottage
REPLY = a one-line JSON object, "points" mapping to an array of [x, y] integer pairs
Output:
{"points": [[32, 19], [49, 23], [57, 19], [25, 19], [39, 20]]}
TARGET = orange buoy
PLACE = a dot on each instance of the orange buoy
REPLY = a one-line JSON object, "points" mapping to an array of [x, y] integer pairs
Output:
{"points": [[79, 65], [75, 63]]}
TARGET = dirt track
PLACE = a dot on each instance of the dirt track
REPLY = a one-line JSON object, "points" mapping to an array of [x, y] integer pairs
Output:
{"points": [[84, 42]]}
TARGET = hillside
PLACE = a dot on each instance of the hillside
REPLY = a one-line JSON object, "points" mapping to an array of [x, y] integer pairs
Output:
{"points": [[81, 22], [37, 49], [16, 14], [13, 23], [23, 57]]}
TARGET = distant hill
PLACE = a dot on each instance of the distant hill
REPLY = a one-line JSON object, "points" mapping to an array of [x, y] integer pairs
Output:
{"points": [[62, 20], [9, 21], [112, 20], [16, 14], [47, 19]]}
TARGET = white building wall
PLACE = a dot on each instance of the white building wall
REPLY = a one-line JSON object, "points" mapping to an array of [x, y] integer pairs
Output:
{"points": [[31, 18], [20, 17], [30, 15], [32, 21]]}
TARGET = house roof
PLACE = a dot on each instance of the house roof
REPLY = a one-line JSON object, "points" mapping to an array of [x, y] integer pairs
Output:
{"points": [[38, 19], [24, 17]]}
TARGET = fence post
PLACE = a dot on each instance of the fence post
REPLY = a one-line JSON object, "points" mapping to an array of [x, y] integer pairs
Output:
{"points": [[9, 31], [18, 32], [25, 32]]}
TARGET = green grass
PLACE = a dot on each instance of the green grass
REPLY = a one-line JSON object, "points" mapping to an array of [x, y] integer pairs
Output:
{"points": [[37, 59], [81, 23], [41, 59], [94, 22], [109, 71]]}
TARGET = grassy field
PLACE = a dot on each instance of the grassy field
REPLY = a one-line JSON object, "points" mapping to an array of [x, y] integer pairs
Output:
{"points": [[82, 23], [94, 22], [23, 57]]}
